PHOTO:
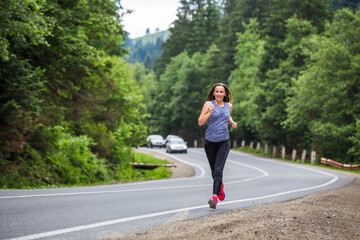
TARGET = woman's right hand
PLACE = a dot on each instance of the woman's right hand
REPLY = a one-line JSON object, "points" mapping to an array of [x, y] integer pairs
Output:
{"points": [[210, 109], [206, 112]]}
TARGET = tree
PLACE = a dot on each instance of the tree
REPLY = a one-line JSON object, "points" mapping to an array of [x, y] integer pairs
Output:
{"points": [[282, 61], [194, 30], [351, 4], [279, 82], [179, 97], [205, 26], [237, 12], [326, 95], [316, 12], [245, 81], [181, 31], [57, 73], [22, 25]]}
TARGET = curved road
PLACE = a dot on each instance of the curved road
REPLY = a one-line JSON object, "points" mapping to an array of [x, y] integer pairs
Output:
{"points": [[110, 210]]}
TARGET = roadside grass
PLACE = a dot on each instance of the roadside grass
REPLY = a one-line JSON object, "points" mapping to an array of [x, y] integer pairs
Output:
{"points": [[143, 158], [157, 173], [119, 174], [263, 154]]}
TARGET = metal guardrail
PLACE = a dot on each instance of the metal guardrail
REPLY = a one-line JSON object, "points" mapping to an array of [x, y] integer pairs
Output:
{"points": [[336, 164]]}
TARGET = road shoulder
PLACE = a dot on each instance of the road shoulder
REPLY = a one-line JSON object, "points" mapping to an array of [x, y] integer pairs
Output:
{"points": [[332, 214]]}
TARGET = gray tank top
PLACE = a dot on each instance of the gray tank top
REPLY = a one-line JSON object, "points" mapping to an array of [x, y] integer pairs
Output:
{"points": [[217, 124]]}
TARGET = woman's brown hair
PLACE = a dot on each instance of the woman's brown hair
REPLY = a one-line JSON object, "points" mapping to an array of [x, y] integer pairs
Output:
{"points": [[227, 97]]}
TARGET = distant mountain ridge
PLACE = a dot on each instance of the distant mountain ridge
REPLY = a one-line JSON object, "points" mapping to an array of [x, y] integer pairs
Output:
{"points": [[146, 49], [152, 37]]}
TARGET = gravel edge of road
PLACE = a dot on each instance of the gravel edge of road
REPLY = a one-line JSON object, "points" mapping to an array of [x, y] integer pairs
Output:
{"points": [[331, 214]]}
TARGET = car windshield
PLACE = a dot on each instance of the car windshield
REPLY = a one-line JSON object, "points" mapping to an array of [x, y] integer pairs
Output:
{"points": [[177, 142], [156, 137]]}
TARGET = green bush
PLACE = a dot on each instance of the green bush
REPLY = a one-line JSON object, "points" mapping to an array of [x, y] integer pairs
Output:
{"points": [[75, 162], [29, 171], [69, 161]]}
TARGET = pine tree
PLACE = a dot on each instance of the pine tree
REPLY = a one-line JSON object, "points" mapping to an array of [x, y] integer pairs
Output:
{"points": [[181, 31], [282, 61], [236, 13], [205, 30]]}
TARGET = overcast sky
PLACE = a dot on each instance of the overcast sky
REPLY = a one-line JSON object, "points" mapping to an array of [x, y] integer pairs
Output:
{"points": [[150, 14]]}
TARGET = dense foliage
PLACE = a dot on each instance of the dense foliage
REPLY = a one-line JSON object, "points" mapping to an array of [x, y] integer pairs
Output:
{"points": [[292, 67], [70, 105]]}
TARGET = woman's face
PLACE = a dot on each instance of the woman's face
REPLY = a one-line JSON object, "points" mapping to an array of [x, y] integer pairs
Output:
{"points": [[219, 93]]}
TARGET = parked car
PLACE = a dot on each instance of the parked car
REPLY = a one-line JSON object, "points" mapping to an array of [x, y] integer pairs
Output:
{"points": [[168, 137], [176, 145], [155, 141]]}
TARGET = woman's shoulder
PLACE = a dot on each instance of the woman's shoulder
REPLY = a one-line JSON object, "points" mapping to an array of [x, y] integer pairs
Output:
{"points": [[230, 105], [207, 103]]}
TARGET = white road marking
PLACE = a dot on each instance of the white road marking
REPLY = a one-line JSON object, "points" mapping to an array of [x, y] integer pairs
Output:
{"points": [[202, 170], [121, 220], [145, 189], [183, 211], [264, 173], [285, 163], [202, 174], [178, 217]]}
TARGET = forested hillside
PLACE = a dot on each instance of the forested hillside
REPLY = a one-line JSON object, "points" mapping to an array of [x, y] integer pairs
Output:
{"points": [[146, 49], [72, 107], [292, 67]]}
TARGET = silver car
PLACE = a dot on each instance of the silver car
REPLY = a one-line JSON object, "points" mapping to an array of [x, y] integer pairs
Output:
{"points": [[176, 145], [155, 141], [168, 137]]}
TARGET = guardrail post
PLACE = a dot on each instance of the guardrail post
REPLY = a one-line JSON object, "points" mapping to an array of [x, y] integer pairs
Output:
{"points": [[266, 148], [283, 152], [251, 144], [313, 157], [274, 151], [195, 143], [258, 146], [293, 156], [234, 144], [303, 156], [243, 143]]}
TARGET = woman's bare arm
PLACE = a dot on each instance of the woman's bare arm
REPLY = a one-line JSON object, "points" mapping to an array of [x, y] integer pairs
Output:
{"points": [[231, 121], [206, 112]]}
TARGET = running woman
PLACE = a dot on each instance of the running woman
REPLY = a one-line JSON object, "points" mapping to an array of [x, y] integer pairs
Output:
{"points": [[216, 112]]}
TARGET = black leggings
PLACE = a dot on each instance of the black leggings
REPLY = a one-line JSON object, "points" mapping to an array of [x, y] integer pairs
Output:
{"points": [[217, 153]]}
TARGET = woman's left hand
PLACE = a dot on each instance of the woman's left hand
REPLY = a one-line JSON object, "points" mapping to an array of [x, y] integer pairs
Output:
{"points": [[234, 124]]}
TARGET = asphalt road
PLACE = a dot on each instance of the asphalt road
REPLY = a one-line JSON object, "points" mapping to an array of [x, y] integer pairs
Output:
{"points": [[111, 210]]}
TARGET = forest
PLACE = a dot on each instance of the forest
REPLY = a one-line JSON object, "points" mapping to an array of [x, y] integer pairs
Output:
{"points": [[72, 107], [146, 49], [292, 67]]}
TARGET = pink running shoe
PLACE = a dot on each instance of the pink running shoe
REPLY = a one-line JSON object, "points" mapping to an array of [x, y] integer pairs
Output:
{"points": [[212, 202], [221, 195]]}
